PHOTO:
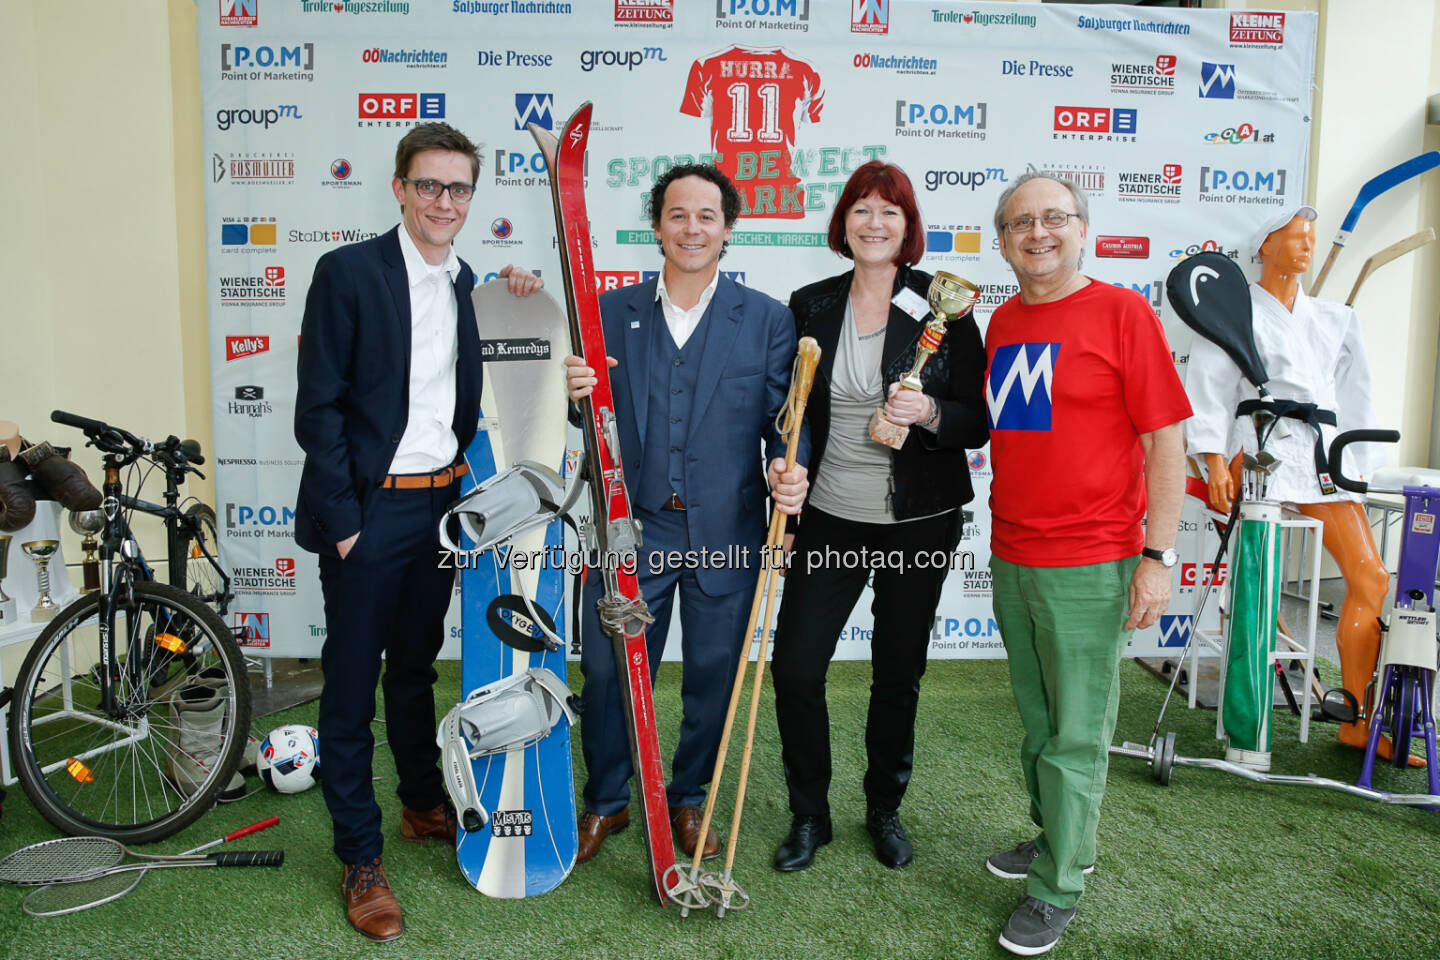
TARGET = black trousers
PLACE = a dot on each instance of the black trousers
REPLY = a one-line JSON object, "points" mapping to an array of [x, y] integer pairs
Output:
{"points": [[832, 561], [389, 595]]}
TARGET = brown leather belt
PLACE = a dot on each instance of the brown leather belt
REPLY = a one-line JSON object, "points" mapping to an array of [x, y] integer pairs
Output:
{"points": [[425, 481], [674, 503]]}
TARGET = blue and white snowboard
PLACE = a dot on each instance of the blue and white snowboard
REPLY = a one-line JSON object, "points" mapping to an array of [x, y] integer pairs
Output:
{"points": [[529, 845]]}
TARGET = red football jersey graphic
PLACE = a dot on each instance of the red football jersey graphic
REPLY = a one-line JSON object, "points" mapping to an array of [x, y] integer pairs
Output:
{"points": [[755, 98]]}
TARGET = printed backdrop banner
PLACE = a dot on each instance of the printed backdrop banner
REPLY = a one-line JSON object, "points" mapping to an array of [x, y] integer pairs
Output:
{"points": [[1186, 128]]}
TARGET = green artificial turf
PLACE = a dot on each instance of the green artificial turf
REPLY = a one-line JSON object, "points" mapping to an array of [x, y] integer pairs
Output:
{"points": [[1211, 866]]}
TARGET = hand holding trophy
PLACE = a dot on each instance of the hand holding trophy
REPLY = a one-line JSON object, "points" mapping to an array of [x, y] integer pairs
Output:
{"points": [[950, 297]]}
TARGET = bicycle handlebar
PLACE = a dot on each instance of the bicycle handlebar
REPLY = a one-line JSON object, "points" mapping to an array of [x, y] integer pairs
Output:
{"points": [[1337, 447], [116, 440]]}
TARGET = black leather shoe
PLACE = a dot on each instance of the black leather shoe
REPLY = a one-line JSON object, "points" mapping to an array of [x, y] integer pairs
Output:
{"points": [[892, 846], [807, 834]]}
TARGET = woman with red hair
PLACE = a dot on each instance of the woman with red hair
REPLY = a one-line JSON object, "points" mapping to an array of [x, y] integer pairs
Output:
{"points": [[872, 510]]}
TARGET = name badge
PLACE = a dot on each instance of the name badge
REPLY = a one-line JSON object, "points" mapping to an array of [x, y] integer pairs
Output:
{"points": [[911, 302]]}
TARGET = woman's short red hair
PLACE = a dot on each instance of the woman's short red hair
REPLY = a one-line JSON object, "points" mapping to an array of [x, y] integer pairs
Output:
{"points": [[893, 186]]}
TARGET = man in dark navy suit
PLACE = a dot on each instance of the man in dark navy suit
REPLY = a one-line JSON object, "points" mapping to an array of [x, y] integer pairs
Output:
{"points": [[387, 401], [704, 368]]}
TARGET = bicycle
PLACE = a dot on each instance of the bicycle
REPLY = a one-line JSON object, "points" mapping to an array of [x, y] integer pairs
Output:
{"points": [[131, 710]]}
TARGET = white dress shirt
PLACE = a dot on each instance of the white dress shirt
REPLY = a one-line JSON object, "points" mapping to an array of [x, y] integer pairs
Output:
{"points": [[428, 443], [682, 323]]}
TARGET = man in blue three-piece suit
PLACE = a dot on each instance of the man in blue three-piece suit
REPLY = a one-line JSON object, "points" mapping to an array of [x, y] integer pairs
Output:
{"points": [[703, 368], [387, 400]]}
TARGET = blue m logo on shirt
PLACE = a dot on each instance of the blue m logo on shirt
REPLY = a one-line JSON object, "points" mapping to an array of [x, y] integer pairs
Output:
{"points": [[1017, 392]]}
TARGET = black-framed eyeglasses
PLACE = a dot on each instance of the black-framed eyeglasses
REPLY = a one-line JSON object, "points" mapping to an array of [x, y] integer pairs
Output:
{"points": [[431, 189], [1050, 219]]}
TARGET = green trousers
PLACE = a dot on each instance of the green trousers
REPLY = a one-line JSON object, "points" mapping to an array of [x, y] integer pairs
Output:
{"points": [[1063, 629]]}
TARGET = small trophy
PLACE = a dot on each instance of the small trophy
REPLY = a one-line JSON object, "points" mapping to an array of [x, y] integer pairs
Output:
{"points": [[40, 552], [7, 604], [950, 297], [87, 523]]}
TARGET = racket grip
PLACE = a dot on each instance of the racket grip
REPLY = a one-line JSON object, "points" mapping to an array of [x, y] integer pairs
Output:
{"points": [[249, 858], [253, 828]]}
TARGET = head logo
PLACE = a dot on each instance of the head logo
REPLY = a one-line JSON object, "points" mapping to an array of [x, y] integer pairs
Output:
{"points": [[976, 460], [237, 348], [869, 16], [252, 628], [239, 13], [644, 11], [340, 169], [402, 106], [1217, 81], [501, 228], [1018, 389], [1257, 29], [534, 108], [1175, 629]]}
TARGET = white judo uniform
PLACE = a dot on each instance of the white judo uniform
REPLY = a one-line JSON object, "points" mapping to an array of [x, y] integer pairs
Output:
{"points": [[1313, 355]]}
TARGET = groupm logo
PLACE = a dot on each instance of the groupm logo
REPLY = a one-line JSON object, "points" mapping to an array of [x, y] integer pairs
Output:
{"points": [[263, 117], [948, 120], [534, 108], [974, 179], [1175, 629], [629, 59], [1217, 81], [869, 16]]}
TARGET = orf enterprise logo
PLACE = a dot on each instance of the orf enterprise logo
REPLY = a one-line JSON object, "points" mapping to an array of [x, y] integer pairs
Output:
{"points": [[237, 348], [1095, 123], [1189, 572], [401, 106]]}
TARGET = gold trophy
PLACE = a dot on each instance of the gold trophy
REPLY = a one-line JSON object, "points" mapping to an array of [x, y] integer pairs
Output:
{"points": [[950, 297], [40, 552], [7, 604], [87, 523]]}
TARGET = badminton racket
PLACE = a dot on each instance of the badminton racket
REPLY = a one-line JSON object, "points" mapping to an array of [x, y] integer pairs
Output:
{"points": [[56, 899]]}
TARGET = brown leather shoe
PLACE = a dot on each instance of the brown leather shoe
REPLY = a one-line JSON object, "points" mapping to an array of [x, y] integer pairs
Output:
{"points": [[369, 905], [438, 823], [595, 828], [685, 821]]}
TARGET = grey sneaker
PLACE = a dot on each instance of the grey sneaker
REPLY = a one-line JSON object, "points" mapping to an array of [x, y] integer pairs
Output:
{"points": [[1035, 927], [1014, 864]]}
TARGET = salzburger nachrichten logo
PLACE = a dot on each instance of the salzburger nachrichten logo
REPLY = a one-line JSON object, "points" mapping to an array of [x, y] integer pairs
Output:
{"points": [[242, 62], [253, 169], [495, 8], [264, 289]]}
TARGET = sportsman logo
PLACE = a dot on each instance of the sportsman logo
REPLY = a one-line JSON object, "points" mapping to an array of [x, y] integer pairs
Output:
{"points": [[1018, 388], [755, 97]]}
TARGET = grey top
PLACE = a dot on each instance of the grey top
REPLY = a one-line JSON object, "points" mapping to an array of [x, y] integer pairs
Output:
{"points": [[854, 478]]}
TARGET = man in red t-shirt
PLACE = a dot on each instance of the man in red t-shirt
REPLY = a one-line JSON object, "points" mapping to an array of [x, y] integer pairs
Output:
{"points": [[1085, 410]]}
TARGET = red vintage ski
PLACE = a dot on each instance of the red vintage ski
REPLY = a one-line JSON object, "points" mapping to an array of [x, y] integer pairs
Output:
{"points": [[613, 534]]}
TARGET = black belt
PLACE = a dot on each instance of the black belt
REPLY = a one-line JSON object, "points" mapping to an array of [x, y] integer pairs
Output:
{"points": [[1305, 413]]}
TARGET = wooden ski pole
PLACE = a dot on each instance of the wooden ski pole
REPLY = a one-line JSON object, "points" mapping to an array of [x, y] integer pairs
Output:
{"points": [[806, 359]]}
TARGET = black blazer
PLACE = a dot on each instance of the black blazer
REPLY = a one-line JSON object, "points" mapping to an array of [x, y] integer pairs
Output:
{"points": [[930, 472], [352, 399]]}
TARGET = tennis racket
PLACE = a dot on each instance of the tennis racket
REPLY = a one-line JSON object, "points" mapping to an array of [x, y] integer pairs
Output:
{"points": [[56, 899], [86, 858]]}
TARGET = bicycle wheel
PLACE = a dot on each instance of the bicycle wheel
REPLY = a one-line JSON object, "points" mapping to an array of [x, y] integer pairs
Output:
{"points": [[1406, 709], [205, 568], [152, 761]]}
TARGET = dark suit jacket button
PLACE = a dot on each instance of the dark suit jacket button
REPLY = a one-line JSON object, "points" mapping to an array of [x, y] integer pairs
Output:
{"points": [[394, 438]]}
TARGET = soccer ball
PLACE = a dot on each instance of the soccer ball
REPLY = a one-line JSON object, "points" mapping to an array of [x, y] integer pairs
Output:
{"points": [[289, 759]]}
